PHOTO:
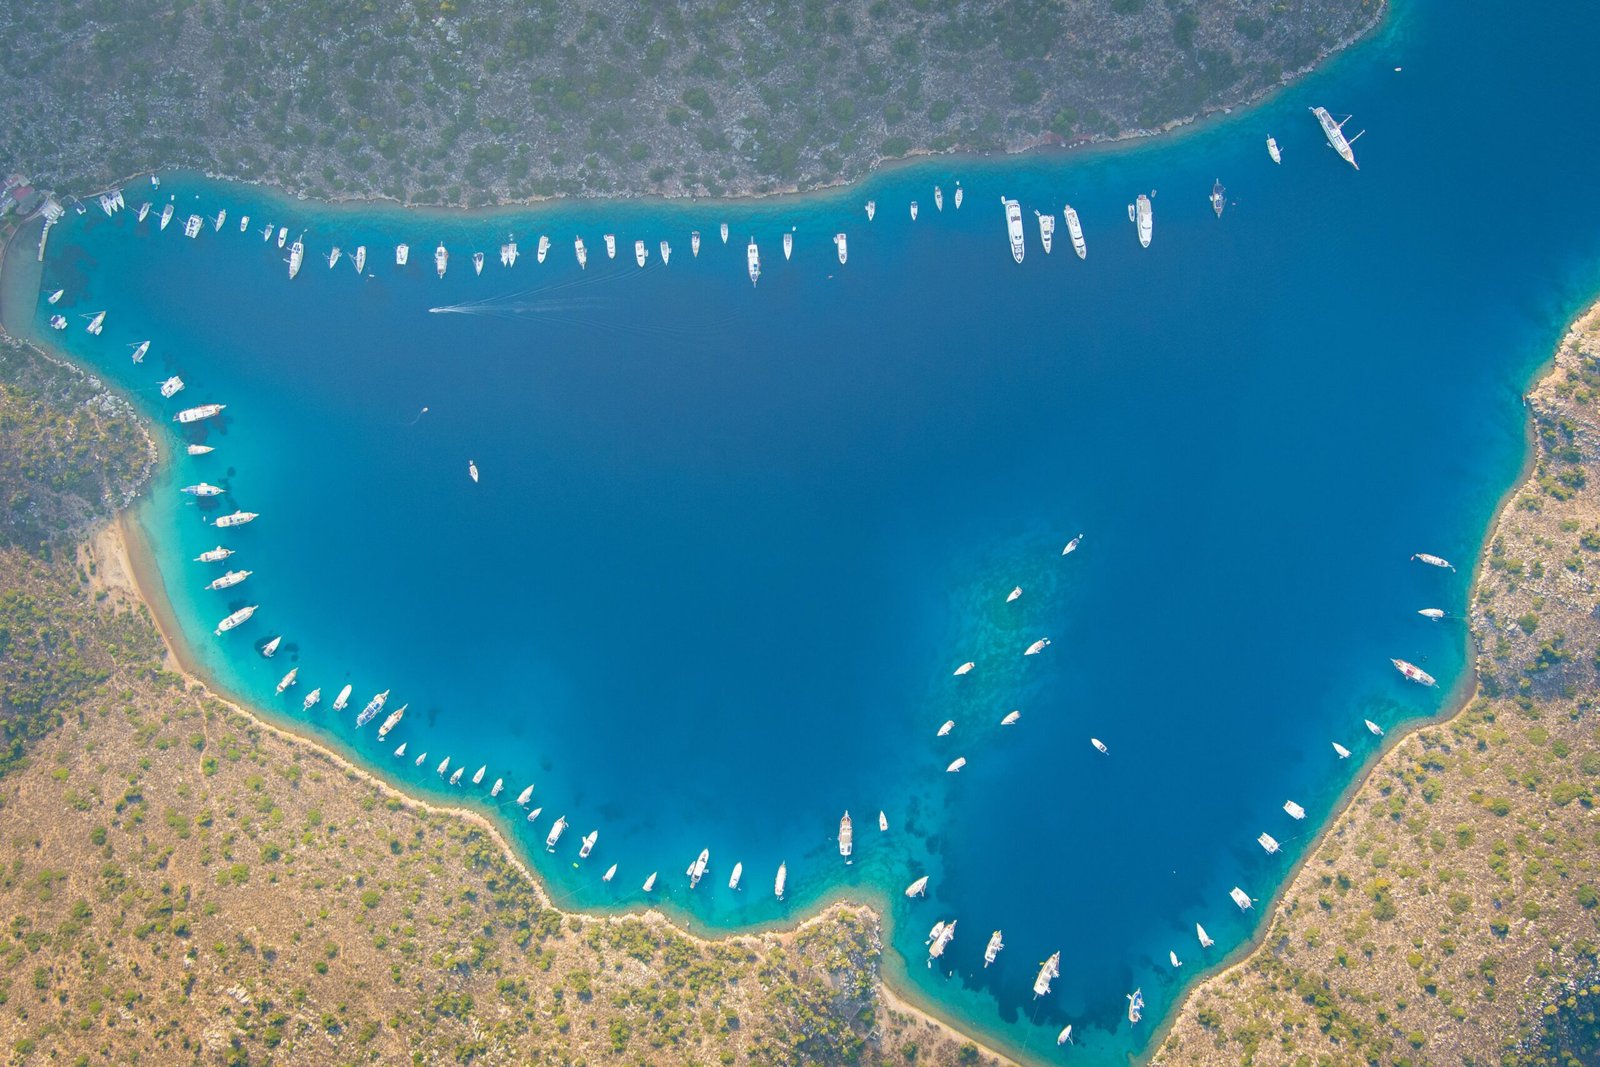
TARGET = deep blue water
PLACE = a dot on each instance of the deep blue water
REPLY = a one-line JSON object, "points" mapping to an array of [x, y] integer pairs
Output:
{"points": [[730, 543]]}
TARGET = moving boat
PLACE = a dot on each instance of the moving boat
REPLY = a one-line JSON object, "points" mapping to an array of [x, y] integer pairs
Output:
{"points": [[1049, 970], [198, 450], [392, 721], [1373, 727], [919, 888], [229, 580], [202, 489], [525, 796], [752, 257], [1144, 219], [965, 668], [472, 470], [939, 939], [788, 246], [724, 233], [370, 712], [1295, 811], [1047, 230], [1219, 197], [1334, 132], [477, 263], [738, 873], [1200, 932], [872, 209], [1344, 753], [441, 259], [1037, 647], [697, 869], [1240, 897], [1431, 613], [1268, 842], [333, 257], [640, 253], [1135, 1007], [694, 243], [543, 249], [611, 872], [1075, 231], [343, 699], [311, 700], [666, 253], [913, 211], [1433, 561], [1097, 743], [956, 765], [166, 215], [842, 244], [172, 387], [1413, 672], [455, 779], [993, 949], [191, 226], [949, 724], [650, 882], [237, 518], [1072, 545], [195, 414], [477, 778], [883, 822], [297, 256], [583, 253], [1272, 150], [287, 680], [215, 555], [139, 351], [1011, 719], [1013, 212], [238, 617], [611, 246], [779, 882], [97, 322], [588, 844], [402, 255], [846, 837]]}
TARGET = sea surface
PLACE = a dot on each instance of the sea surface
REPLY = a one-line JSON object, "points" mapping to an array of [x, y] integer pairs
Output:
{"points": [[731, 541]]}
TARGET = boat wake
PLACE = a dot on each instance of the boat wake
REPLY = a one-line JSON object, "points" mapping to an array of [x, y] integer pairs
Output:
{"points": [[559, 305]]}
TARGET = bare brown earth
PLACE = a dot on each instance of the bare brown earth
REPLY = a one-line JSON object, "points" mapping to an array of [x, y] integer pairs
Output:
{"points": [[1450, 915]]}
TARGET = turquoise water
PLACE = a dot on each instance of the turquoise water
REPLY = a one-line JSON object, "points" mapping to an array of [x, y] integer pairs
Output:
{"points": [[730, 542]]}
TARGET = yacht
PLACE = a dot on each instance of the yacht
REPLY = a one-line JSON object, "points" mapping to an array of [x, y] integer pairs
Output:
{"points": [[1334, 132], [1075, 231], [311, 700], [297, 256], [374, 706], [525, 796], [842, 244], [196, 414], [1200, 932], [271, 647], [724, 233], [1433, 561], [441, 259], [228, 580], [1268, 843], [392, 721], [244, 223], [738, 873], [172, 387], [1135, 1006], [611, 246], [361, 259], [913, 211], [455, 779], [1219, 197], [199, 450], [191, 226], [694, 243], [1373, 728], [788, 246], [883, 822], [139, 351], [333, 257], [846, 837], [342, 701], [1144, 219], [1413, 672], [97, 322], [650, 882], [1272, 150], [1100, 746], [919, 888], [237, 518], [588, 844], [55, 297], [1344, 753], [993, 950], [1431, 613], [166, 215], [1037, 647], [1295, 811], [640, 253], [144, 211], [956, 765], [402, 255], [1014, 227], [1011, 719], [222, 216], [872, 209], [779, 882], [1047, 230], [752, 257], [611, 872], [238, 617], [472, 470], [543, 249], [58, 322], [477, 264], [1014, 594], [283, 235], [959, 195], [965, 668], [1049, 970], [477, 778], [939, 939], [697, 869], [583, 254], [938, 198], [949, 724], [1072, 545], [1240, 897], [666, 253]]}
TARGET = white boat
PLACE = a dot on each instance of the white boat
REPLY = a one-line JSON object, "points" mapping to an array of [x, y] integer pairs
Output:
{"points": [[191, 226], [1431, 613], [992, 951], [505, 255], [477, 263], [237, 518], [1099, 744], [58, 322], [640, 253], [441, 259], [270, 649], [172, 387], [472, 470], [477, 778], [1037, 647], [525, 796], [444, 765], [198, 450], [1011, 718], [420, 760], [1219, 197], [965, 668], [1240, 897], [1272, 150], [55, 297], [144, 211], [297, 256], [913, 211], [724, 233], [872, 209], [611, 872], [1173, 958], [938, 198], [401, 751], [738, 873], [455, 779], [283, 235], [511, 250], [697, 869], [1143, 219], [244, 223], [166, 215], [1344, 753], [216, 555], [1014, 594], [1334, 132], [650, 882], [139, 351], [1413, 673], [1135, 1007], [229, 580], [333, 257], [266, 232], [97, 322], [1075, 231], [1268, 843], [1065, 1036], [1047, 230], [788, 246], [107, 206], [611, 246], [842, 243], [666, 253], [222, 216], [883, 822], [343, 699], [583, 253], [919, 888], [1014, 227], [1433, 561], [534, 814], [1072, 545], [202, 489], [543, 249], [949, 724], [846, 837], [939, 939], [1295, 811], [779, 882], [1205, 939], [1373, 727], [311, 700], [361, 258], [195, 414], [372, 710], [752, 257], [391, 721], [1048, 971], [236, 619], [694, 243], [956, 765], [402, 255], [588, 844]]}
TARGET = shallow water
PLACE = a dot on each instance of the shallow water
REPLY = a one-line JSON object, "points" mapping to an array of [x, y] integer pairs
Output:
{"points": [[730, 542]]}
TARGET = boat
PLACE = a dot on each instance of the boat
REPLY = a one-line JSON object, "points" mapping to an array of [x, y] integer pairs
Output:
{"points": [[965, 668], [217, 555], [1433, 561], [534, 814], [1014, 227], [1272, 150], [956, 765], [1049, 970], [1037, 647], [1075, 231], [244, 223], [287, 680], [402, 255], [788, 246], [139, 351], [1219, 197], [666, 253], [237, 618], [842, 243], [144, 211], [97, 322], [229, 580], [697, 869], [991, 952], [511, 250], [499, 784], [266, 232], [1135, 1006], [392, 721], [872, 209], [611, 872], [455, 779], [1065, 1036], [1240, 897], [1344, 753], [441, 259], [202, 489], [1099, 744], [172, 387], [694, 243], [107, 206], [939, 939], [195, 414], [444, 765], [297, 256], [913, 211], [1431, 613], [55, 297], [1200, 932], [1268, 843], [472, 470], [611, 246], [919, 888], [420, 760], [191, 226], [1413, 673], [1014, 594], [166, 215], [583, 254], [1011, 719], [343, 699], [949, 724], [477, 263], [883, 822], [752, 257], [401, 751], [640, 253], [1373, 727], [938, 198], [370, 712], [283, 235], [846, 837], [58, 322], [237, 518], [311, 700], [779, 882], [198, 450], [724, 233], [222, 216], [588, 844], [1334, 132], [1143, 219], [1072, 545], [525, 796], [333, 257], [1047, 230], [1295, 811], [361, 258], [544, 248], [477, 778], [738, 873], [650, 882]]}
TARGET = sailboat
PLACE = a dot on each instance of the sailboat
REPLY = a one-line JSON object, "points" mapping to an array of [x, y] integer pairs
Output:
{"points": [[1072, 545], [361, 258], [883, 822], [477, 779], [1431, 613], [1200, 932], [1135, 1006], [1268, 843], [525, 796], [666, 253], [738, 872], [919, 888], [166, 215], [650, 882], [288, 679], [401, 751], [1433, 561], [965, 668], [1011, 718], [392, 721], [1344, 753], [958, 196], [420, 760], [455, 779], [1373, 727], [946, 727], [611, 872], [1014, 594], [311, 700], [555, 834], [270, 647], [1240, 897], [333, 257], [956, 765], [938, 198], [1414, 673], [939, 939], [1048, 971], [1037, 647], [297, 256], [779, 882], [991, 952], [1272, 150], [1295, 811], [724, 233]]}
